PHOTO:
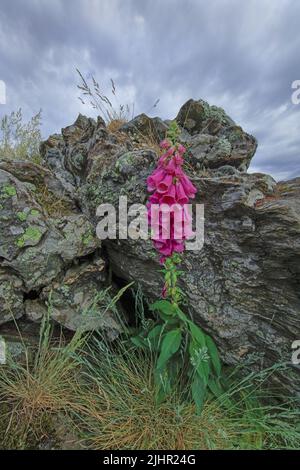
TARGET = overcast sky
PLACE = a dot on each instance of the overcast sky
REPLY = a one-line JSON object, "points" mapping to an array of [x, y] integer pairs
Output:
{"points": [[240, 55]]}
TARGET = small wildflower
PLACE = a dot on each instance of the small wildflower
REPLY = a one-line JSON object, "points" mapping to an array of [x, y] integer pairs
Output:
{"points": [[200, 355]]}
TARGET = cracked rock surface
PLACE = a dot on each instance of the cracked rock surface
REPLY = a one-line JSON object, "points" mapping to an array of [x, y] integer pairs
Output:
{"points": [[242, 287]]}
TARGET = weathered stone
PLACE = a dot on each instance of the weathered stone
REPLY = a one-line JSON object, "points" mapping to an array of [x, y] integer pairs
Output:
{"points": [[52, 152], [22, 223], [81, 131], [143, 128], [242, 287], [118, 178], [18, 342], [35, 310], [80, 300], [39, 262], [11, 296], [213, 139], [36, 249], [197, 116]]}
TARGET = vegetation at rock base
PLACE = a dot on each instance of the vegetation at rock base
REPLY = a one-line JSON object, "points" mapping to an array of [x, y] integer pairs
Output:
{"points": [[126, 415], [89, 394]]}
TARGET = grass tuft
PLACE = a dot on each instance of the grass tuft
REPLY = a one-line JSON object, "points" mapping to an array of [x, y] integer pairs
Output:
{"points": [[32, 392], [54, 206], [102, 396], [115, 124], [119, 410]]}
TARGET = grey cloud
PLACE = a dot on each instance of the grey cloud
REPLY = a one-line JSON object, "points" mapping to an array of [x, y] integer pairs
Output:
{"points": [[239, 55]]}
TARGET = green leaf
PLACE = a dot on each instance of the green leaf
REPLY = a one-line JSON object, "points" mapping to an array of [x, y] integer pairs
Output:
{"points": [[214, 355], [139, 342], [163, 384], [174, 367], [163, 306], [197, 334], [169, 347], [215, 387], [166, 311], [156, 331], [154, 337], [198, 392], [133, 330], [181, 315], [160, 394]]}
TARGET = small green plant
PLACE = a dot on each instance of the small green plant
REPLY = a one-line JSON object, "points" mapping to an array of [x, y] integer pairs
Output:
{"points": [[31, 233], [87, 237], [19, 139], [34, 212], [173, 132], [22, 216], [185, 354], [103, 302], [9, 191]]}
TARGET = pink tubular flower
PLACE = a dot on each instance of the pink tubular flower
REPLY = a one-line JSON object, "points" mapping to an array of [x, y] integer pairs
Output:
{"points": [[172, 189], [171, 167], [154, 199], [155, 179], [181, 197], [188, 186], [164, 185], [178, 160], [170, 196], [165, 144]]}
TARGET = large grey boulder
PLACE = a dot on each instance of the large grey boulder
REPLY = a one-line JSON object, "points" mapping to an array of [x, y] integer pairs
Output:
{"points": [[50, 259], [143, 128], [242, 287], [36, 246], [212, 137], [43, 237]]}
